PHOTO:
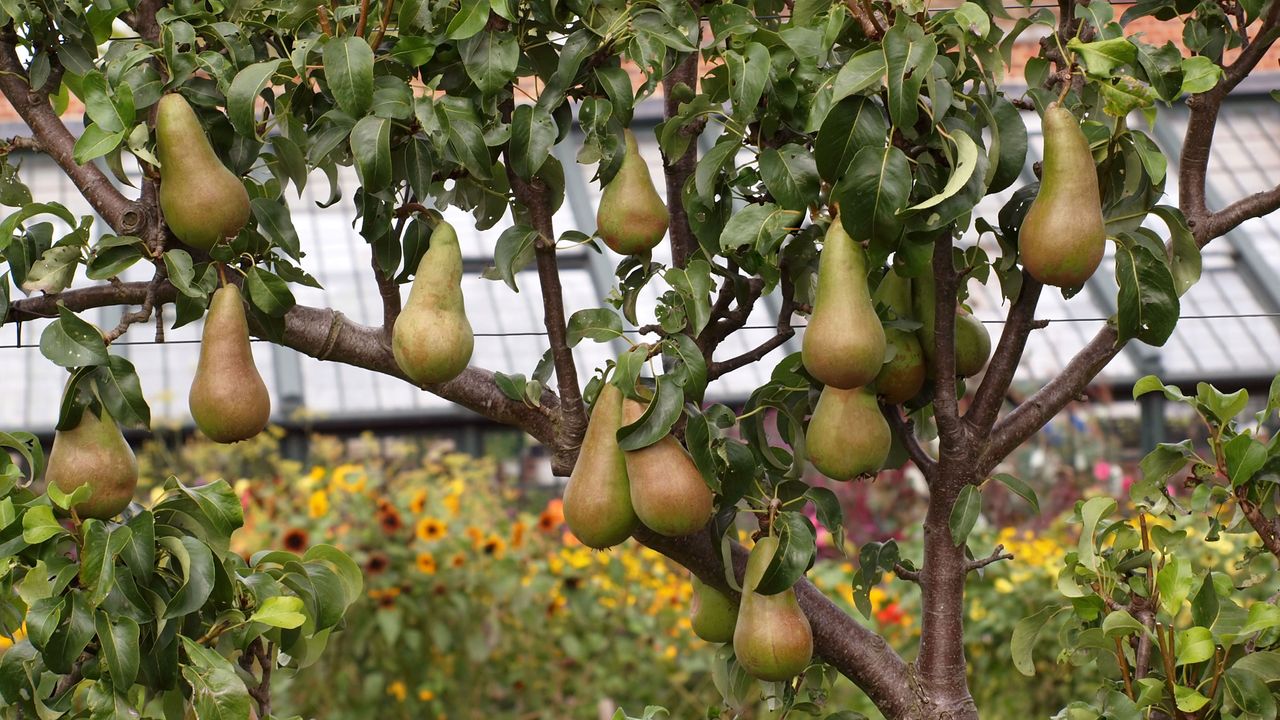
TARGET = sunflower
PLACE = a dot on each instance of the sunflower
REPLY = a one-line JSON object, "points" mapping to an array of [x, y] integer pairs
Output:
{"points": [[318, 504], [377, 563], [552, 516], [418, 502], [295, 540], [453, 503], [390, 520], [494, 547], [458, 560], [351, 478], [426, 563], [430, 529]]}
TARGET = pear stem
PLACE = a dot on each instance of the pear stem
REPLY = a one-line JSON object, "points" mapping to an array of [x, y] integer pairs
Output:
{"points": [[222, 274]]}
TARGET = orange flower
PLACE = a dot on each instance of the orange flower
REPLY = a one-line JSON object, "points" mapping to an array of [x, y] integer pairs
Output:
{"points": [[426, 563], [458, 560], [517, 534], [418, 502], [476, 535], [494, 547], [296, 540], [376, 564], [552, 517], [390, 520], [891, 614], [453, 503]]}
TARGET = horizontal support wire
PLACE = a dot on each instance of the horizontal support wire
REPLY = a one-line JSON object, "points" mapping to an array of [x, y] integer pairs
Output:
{"points": [[536, 333]]}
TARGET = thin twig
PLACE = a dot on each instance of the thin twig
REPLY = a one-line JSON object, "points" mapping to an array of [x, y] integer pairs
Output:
{"points": [[996, 556], [906, 573], [905, 430]]}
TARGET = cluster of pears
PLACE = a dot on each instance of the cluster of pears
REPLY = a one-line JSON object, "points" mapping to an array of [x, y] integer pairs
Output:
{"points": [[94, 453], [770, 634], [632, 218], [1063, 235], [432, 339], [844, 349], [845, 346], [612, 491], [228, 399], [202, 201]]}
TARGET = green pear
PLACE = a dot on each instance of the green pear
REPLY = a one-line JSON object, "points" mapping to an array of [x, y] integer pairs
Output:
{"points": [[432, 339], [903, 376], [844, 342], [712, 613], [973, 344], [772, 640], [632, 217], [202, 201], [923, 304], [1063, 235], [847, 436], [667, 489], [94, 453], [228, 399], [597, 499]]}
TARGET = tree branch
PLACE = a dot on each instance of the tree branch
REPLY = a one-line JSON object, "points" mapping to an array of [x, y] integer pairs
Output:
{"points": [[388, 288], [1004, 362], [905, 429], [857, 652], [784, 333], [678, 170], [996, 556], [121, 213], [945, 405], [325, 334]]}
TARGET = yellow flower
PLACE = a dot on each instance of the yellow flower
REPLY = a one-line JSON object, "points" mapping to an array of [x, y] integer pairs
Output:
{"points": [[426, 563], [399, 690], [476, 535], [351, 478], [418, 503], [1003, 586], [319, 504], [430, 529], [426, 695], [453, 503], [494, 547]]}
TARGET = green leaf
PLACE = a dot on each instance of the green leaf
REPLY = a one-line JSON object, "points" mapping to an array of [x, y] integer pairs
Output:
{"points": [[851, 126], [282, 611], [370, 142], [112, 256], [747, 72], [1163, 67], [533, 133], [1092, 513], [268, 292], [345, 568], [469, 20], [863, 71], [830, 514], [908, 52], [490, 59], [693, 284], [348, 69], [1174, 580], [1025, 634], [709, 166], [1148, 301], [795, 553], [1195, 645], [71, 342], [120, 390], [1102, 57], [965, 513], [759, 227], [1245, 457], [118, 639], [599, 324], [1120, 623], [1249, 692], [513, 253], [54, 271], [95, 142], [1188, 699], [195, 561], [658, 418], [38, 525], [1199, 75], [1185, 265], [276, 225], [216, 691], [182, 274], [242, 97], [966, 161], [1019, 488], [98, 104], [1125, 95], [101, 546], [1008, 147], [791, 175], [872, 192]]}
